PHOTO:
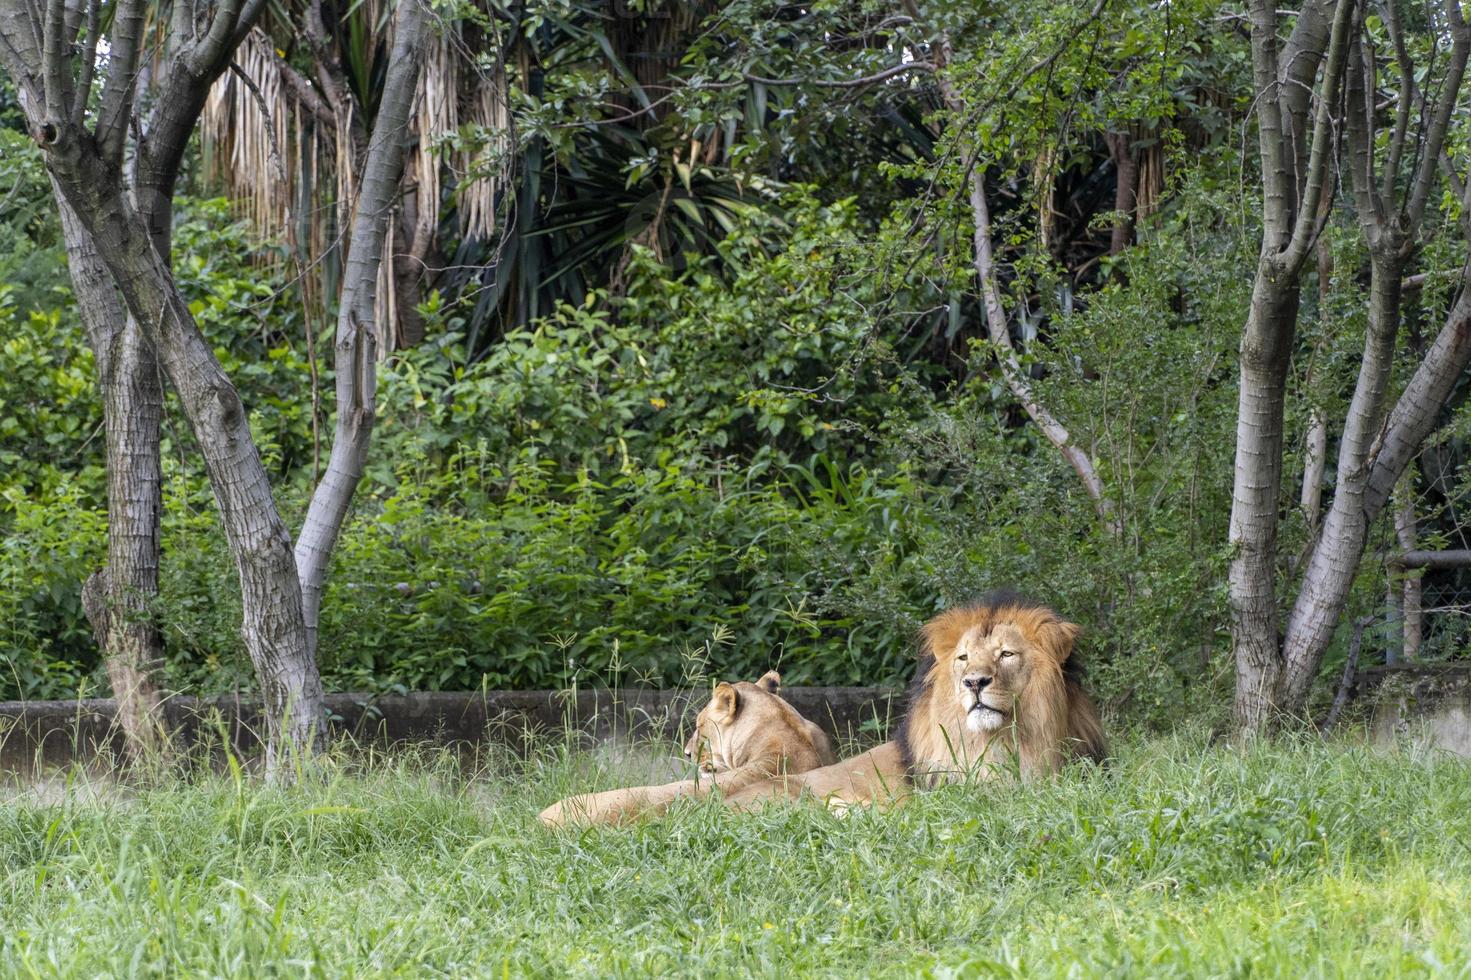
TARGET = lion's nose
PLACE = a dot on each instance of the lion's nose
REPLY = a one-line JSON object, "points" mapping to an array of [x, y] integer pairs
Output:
{"points": [[975, 682]]}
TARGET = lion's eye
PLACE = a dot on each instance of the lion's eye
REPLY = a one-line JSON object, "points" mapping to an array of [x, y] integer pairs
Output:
{"points": [[962, 657], [1008, 653]]}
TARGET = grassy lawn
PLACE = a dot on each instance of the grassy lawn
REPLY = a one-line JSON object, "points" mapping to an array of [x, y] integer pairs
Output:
{"points": [[1181, 860]]}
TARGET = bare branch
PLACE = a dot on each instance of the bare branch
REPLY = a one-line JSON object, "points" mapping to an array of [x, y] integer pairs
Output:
{"points": [[357, 332], [55, 75], [887, 73], [116, 106], [1359, 125], [1440, 122], [260, 101], [1276, 178], [215, 45], [1406, 96], [247, 20], [1016, 378], [1416, 413], [306, 95], [1305, 230], [20, 52], [89, 62]]}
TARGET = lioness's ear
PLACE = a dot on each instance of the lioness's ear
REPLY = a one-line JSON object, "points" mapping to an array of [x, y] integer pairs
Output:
{"points": [[1064, 637], [770, 682], [724, 702]]}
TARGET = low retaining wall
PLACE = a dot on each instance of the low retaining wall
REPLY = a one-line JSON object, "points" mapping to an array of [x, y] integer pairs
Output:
{"points": [[1428, 702], [54, 733]]}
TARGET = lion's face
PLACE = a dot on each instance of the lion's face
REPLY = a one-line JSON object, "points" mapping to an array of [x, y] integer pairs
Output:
{"points": [[989, 669]]}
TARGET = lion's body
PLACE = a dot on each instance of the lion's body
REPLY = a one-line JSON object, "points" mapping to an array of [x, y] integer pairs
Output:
{"points": [[746, 734], [996, 692]]}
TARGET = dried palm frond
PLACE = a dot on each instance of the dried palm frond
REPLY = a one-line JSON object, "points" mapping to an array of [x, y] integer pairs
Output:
{"points": [[246, 128], [1151, 175], [482, 176]]}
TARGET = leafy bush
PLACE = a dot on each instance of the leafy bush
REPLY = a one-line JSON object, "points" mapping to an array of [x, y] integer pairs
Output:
{"points": [[44, 558]]}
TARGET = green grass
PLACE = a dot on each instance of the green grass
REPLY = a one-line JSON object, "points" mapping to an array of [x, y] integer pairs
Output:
{"points": [[1286, 860]]}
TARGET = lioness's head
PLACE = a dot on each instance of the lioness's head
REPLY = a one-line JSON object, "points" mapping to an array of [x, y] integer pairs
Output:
{"points": [[742, 716]]}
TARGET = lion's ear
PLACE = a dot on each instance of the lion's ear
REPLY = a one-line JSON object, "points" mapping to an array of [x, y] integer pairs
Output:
{"points": [[770, 682], [1064, 637], [724, 702]]}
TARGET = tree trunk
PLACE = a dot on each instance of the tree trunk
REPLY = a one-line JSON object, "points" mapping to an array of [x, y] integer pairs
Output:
{"points": [[357, 332], [1266, 345], [1126, 185], [1335, 559], [118, 598], [1411, 603], [1291, 192], [272, 627]]}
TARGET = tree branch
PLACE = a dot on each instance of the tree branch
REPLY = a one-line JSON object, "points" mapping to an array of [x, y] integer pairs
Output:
{"points": [[1276, 179], [216, 42], [887, 73], [1440, 121], [1306, 229], [89, 62], [357, 331], [1000, 333], [1418, 410], [115, 109], [54, 73], [1406, 96], [1359, 123]]}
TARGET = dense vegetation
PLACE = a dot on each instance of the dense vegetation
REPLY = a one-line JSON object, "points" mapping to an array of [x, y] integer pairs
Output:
{"points": [[1293, 860], [719, 396]]}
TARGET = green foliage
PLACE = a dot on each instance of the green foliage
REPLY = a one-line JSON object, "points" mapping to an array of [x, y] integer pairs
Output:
{"points": [[726, 373], [43, 561], [1180, 861], [241, 301], [50, 415]]}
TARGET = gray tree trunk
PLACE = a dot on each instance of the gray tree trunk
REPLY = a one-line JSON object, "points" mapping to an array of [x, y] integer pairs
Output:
{"points": [[1266, 344], [358, 335], [118, 598], [1374, 451], [1291, 189]]}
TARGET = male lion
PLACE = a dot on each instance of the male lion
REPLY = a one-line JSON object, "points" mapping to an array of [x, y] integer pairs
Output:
{"points": [[746, 733], [996, 690]]}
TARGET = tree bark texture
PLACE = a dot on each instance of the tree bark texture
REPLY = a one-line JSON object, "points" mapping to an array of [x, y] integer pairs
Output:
{"points": [[1340, 547], [1266, 345], [1374, 450], [272, 627], [1126, 186], [118, 597]]}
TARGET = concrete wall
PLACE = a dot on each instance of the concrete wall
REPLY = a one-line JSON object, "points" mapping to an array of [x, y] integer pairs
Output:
{"points": [[1427, 702], [54, 733]]}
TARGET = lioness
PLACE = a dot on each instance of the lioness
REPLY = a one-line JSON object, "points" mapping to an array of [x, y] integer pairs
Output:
{"points": [[746, 733], [996, 689]]}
